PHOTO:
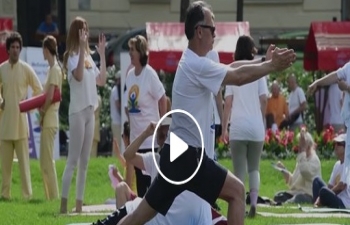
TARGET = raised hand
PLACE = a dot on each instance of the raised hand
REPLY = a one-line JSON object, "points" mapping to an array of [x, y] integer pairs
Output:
{"points": [[282, 58], [150, 129], [269, 52], [100, 48], [83, 36]]}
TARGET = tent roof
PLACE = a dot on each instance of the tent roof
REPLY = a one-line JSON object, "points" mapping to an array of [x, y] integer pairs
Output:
{"points": [[327, 46], [168, 40]]}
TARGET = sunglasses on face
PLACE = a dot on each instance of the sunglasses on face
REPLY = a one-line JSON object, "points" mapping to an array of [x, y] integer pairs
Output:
{"points": [[211, 28]]}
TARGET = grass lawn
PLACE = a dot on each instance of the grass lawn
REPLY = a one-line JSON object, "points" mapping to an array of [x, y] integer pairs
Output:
{"points": [[41, 212]]}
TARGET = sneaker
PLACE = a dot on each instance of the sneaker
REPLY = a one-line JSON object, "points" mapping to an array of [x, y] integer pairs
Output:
{"points": [[112, 219]]}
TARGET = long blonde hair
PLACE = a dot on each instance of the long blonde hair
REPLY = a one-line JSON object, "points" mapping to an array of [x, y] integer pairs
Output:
{"points": [[72, 42]]}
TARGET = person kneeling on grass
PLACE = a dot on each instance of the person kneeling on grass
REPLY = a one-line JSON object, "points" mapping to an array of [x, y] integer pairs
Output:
{"points": [[335, 194], [188, 208], [308, 167]]}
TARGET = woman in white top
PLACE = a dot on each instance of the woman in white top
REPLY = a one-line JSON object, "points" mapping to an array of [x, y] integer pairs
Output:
{"points": [[83, 76], [247, 105], [146, 102]]}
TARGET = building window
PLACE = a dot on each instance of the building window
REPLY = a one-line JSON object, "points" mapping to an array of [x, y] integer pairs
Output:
{"points": [[84, 4]]}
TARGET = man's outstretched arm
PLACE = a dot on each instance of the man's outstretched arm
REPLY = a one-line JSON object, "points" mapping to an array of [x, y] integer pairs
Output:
{"points": [[281, 60]]}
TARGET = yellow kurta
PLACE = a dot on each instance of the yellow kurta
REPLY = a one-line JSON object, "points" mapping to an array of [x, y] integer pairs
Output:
{"points": [[15, 80], [54, 78]]}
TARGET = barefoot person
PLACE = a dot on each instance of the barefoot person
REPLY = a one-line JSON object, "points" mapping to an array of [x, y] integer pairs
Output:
{"points": [[49, 118], [83, 76], [15, 78], [196, 78]]}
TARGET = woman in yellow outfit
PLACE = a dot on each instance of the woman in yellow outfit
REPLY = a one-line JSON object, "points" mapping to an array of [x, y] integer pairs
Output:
{"points": [[49, 118]]}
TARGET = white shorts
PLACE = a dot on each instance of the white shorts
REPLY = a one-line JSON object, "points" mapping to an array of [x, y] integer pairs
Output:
{"points": [[130, 206]]}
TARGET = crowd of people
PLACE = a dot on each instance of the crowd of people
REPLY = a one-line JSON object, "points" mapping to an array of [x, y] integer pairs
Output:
{"points": [[197, 89]]}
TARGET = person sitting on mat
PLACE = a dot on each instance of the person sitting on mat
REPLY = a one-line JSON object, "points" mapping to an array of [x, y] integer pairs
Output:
{"points": [[198, 212], [308, 167], [335, 194]]}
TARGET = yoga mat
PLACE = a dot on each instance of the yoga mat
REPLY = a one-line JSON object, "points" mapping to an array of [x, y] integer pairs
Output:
{"points": [[38, 101], [110, 201], [278, 206], [98, 208], [304, 215], [323, 210]]}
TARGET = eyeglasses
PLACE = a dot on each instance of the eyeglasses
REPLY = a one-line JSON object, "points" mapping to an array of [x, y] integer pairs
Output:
{"points": [[211, 28]]}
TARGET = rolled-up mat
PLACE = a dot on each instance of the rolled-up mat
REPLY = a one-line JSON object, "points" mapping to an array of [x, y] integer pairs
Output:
{"points": [[38, 101]]}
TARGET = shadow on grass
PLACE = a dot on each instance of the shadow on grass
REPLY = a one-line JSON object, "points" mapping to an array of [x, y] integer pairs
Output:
{"points": [[36, 201]]}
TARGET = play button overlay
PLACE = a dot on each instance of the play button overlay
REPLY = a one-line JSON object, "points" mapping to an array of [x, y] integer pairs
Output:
{"points": [[177, 147]]}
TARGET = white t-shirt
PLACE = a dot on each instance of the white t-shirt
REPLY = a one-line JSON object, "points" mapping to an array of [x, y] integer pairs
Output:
{"points": [[195, 80], [115, 113], [336, 173], [209, 145], [336, 177], [187, 208], [82, 93], [143, 94], [344, 74], [333, 107], [246, 119], [296, 97]]}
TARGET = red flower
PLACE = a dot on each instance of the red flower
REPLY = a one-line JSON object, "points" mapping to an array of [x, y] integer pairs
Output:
{"points": [[296, 148], [267, 138]]}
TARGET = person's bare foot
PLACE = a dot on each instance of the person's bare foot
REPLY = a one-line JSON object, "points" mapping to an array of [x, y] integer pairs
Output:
{"points": [[252, 212], [63, 209]]}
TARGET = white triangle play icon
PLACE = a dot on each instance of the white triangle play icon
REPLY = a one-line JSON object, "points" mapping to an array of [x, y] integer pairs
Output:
{"points": [[177, 146]]}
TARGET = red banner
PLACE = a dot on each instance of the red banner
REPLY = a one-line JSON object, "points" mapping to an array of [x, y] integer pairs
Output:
{"points": [[5, 26], [167, 41]]}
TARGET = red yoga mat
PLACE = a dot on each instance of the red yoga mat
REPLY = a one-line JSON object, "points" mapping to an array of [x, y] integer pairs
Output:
{"points": [[38, 101]]}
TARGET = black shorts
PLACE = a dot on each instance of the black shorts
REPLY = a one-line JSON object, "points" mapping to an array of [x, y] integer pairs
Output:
{"points": [[207, 183]]}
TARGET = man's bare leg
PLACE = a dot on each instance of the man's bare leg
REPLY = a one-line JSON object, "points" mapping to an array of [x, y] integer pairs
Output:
{"points": [[122, 194], [233, 193], [143, 213]]}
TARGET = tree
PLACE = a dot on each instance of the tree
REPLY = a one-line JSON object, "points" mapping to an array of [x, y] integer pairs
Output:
{"points": [[183, 9]]}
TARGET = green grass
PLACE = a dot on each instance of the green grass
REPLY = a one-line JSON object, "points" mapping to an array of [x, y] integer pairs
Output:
{"points": [[41, 212]]}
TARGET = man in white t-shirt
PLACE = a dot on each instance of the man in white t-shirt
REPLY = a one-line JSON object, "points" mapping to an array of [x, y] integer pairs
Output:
{"points": [[196, 79], [336, 194], [296, 103], [215, 126], [115, 110]]}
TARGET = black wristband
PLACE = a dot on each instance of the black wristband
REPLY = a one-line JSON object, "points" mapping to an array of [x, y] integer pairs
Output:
{"points": [[263, 59]]}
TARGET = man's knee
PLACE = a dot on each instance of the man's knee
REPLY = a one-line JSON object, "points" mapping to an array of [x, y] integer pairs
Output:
{"points": [[122, 189], [235, 188]]}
